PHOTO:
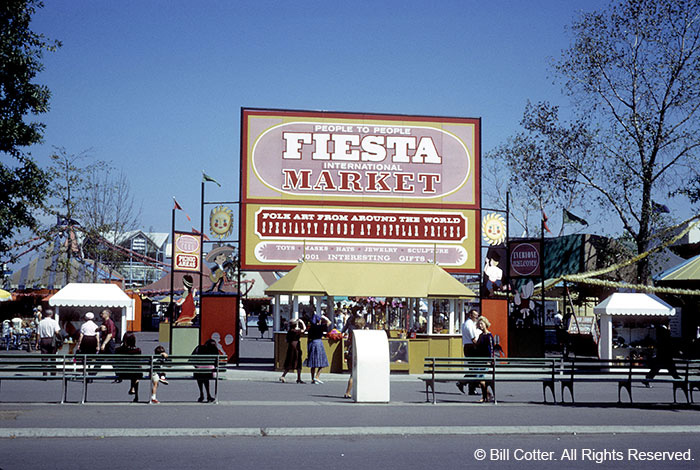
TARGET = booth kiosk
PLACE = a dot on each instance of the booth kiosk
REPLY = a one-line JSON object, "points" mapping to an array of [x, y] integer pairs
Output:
{"points": [[370, 367], [409, 282], [82, 297], [628, 304]]}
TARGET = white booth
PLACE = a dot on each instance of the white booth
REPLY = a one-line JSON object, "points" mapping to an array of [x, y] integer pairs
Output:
{"points": [[97, 297], [630, 304]]}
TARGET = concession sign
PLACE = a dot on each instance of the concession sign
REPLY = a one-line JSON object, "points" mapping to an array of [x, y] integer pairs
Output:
{"points": [[359, 187], [187, 252]]}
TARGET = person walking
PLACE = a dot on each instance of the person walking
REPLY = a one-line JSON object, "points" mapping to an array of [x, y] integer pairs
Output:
{"points": [[108, 333], [128, 347], [485, 349], [203, 378], [663, 356], [356, 322], [262, 323], [470, 334], [292, 360], [89, 338], [46, 330], [316, 358]]}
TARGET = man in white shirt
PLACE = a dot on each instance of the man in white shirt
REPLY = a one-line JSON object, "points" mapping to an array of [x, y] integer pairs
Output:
{"points": [[44, 332], [470, 334]]}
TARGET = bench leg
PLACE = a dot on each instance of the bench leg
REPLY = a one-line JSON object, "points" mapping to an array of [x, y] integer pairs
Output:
{"points": [[548, 385], [216, 389], [684, 389], [570, 385], [627, 386]]}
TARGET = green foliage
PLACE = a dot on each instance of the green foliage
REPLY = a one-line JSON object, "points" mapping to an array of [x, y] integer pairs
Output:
{"points": [[22, 183], [632, 75]]}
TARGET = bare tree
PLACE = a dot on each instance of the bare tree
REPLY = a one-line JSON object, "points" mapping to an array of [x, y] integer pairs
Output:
{"points": [[108, 211], [93, 198]]}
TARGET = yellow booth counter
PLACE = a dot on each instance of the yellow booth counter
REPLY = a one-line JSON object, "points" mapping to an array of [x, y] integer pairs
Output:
{"points": [[406, 354]]}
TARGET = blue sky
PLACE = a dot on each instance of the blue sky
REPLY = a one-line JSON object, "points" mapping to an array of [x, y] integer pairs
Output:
{"points": [[156, 87]]}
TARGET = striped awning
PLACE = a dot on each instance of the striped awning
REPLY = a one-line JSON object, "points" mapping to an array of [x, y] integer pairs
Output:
{"points": [[49, 271]]}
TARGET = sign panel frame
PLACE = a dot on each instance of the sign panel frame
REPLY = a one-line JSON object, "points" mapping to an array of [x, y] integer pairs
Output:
{"points": [[313, 163], [187, 252]]}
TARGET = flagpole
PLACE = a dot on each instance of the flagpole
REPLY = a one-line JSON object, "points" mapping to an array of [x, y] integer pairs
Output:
{"points": [[171, 305], [201, 259], [542, 278]]}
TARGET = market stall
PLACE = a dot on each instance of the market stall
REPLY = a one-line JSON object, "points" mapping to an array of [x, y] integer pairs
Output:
{"points": [[391, 295], [627, 305], [75, 299]]}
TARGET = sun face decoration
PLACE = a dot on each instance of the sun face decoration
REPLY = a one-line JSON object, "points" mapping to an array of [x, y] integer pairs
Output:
{"points": [[221, 221], [494, 229]]}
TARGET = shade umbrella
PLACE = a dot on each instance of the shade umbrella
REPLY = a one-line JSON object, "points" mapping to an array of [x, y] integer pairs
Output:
{"points": [[4, 295]]}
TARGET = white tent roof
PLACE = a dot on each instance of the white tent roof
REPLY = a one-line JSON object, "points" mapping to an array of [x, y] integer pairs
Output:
{"points": [[90, 295], [621, 303]]}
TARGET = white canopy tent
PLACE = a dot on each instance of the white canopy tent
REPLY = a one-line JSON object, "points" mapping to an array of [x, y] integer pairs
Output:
{"points": [[622, 303], [99, 296]]}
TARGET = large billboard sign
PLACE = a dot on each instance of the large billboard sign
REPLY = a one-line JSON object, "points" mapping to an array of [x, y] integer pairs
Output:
{"points": [[358, 187]]}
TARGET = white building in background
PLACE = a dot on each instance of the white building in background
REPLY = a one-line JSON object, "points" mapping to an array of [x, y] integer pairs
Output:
{"points": [[138, 272]]}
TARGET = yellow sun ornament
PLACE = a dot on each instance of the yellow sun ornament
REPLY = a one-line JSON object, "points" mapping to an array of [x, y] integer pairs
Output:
{"points": [[494, 229], [221, 222]]}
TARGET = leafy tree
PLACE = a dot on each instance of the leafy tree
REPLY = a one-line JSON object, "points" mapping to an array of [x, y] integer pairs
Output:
{"points": [[632, 75], [22, 183]]}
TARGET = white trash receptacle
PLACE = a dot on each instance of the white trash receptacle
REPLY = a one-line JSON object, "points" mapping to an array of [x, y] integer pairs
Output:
{"points": [[370, 366]]}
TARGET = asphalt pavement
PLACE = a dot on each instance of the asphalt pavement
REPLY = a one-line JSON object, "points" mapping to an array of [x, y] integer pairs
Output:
{"points": [[259, 417]]}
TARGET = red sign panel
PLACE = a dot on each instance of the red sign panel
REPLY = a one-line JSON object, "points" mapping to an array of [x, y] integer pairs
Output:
{"points": [[313, 224]]}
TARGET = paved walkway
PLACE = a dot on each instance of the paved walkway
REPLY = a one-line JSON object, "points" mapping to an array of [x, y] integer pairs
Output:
{"points": [[253, 402]]}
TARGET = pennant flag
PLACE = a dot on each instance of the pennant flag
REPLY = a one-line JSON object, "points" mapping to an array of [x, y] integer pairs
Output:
{"points": [[659, 208], [571, 218], [207, 178], [544, 222], [177, 207], [204, 235]]}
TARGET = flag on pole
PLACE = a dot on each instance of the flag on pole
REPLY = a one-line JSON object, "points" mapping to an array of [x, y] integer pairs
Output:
{"points": [[659, 208], [204, 235], [571, 218], [178, 207], [207, 178], [544, 221]]}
